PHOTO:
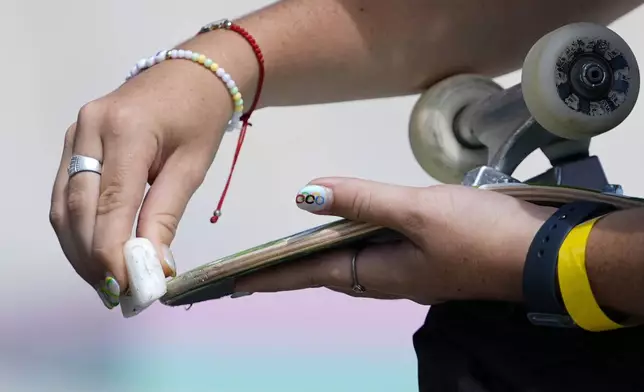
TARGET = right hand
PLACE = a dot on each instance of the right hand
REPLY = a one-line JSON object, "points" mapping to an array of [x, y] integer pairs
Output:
{"points": [[162, 127]]}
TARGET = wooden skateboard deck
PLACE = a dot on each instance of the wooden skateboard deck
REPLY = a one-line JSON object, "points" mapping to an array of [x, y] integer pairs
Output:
{"points": [[217, 279]]}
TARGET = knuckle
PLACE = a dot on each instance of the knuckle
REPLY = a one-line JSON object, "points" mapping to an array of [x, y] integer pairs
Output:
{"points": [[361, 204], [337, 274], [76, 202], [105, 258], [92, 111], [312, 281], [193, 178], [111, 198], [69, 136], [318, 273], [433, 207], [101, 255], [115, 119], [414, 216], [167, 224], [56, 217]]}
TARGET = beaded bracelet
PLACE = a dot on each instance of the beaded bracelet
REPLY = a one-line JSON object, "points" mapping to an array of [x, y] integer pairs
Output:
{"points": [[209, 64], [227, 24], [238, 113]]}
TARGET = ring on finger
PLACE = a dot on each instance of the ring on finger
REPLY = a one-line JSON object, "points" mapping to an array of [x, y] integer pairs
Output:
{"points": [[357, 287], [82, 163]]}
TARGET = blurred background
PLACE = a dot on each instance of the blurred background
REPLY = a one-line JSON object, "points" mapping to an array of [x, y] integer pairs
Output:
{"points": [[54, 333]]}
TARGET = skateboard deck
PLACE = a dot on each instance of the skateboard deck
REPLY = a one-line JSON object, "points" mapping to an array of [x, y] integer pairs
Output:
{"points": [[217, 279]]}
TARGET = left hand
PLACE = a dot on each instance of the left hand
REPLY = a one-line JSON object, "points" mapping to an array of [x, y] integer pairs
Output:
{"points": [[461, 243]]}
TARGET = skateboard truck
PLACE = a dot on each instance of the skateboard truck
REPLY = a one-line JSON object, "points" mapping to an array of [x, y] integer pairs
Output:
{"points": [[504, 125], [578, 82]]}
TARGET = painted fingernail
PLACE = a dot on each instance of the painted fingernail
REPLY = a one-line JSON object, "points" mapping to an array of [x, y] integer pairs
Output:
{"points": [[239, 295], [112, 286], [109, 291], [168, 257], [314, 198], [104, 298]]}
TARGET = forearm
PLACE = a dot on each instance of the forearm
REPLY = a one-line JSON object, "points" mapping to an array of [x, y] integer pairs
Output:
{"points": [[320, 51], [615, 261]]}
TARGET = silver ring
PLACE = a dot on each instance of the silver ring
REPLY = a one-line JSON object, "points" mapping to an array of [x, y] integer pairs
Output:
{"points": [[357, 287], [81, 163]]}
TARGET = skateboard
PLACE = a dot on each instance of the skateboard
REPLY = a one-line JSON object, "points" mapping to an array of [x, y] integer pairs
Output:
{"points": [[578, 81], [217, 279]]}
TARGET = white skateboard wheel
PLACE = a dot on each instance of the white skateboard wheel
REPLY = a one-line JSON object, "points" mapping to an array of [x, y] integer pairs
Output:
{"points": [[431, 129], [580, 81]]}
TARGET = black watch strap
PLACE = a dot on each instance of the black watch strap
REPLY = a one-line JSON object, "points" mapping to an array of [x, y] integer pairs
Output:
{"points": [[540, 284]]}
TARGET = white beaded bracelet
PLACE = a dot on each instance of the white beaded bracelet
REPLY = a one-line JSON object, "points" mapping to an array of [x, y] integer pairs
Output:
{"points": [[208, 63]]}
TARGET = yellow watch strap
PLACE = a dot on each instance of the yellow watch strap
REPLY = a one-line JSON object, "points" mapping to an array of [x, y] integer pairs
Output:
{"points": [[574, 284]]}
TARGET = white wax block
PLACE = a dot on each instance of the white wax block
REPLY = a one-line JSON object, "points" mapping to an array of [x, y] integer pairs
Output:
{"points": [[129, 308], [146, 278]]}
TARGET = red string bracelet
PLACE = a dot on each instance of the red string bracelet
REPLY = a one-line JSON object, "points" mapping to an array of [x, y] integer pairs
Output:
{"points": [[229, 25]]}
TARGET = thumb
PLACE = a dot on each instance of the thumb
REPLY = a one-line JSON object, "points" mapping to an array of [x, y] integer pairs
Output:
{"points": [[165, 204], [396, 207]]}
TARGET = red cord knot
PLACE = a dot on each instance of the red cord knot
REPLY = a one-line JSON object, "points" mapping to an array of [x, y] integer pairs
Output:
{"points": [[215, 216]]}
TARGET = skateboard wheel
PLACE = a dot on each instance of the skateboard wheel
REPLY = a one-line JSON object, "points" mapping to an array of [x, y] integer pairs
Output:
{"points": [[432, 136], [580, 81]]}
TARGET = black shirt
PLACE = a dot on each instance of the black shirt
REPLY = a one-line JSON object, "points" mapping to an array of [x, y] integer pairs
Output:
{"points": [[492, 347]]}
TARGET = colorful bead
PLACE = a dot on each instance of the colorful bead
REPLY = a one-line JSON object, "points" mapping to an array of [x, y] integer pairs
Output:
{"points": [[208, 63], [161, 56]]}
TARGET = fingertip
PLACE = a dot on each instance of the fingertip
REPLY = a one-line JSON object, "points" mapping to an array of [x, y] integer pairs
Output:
{"points": [[314, 198], [146, 229], [165, 256], [108, 291], [363, 200], [328, 181], [112, 265], [167, 259]]}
